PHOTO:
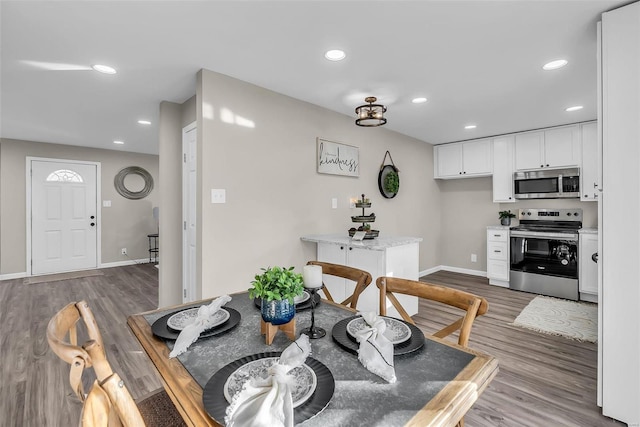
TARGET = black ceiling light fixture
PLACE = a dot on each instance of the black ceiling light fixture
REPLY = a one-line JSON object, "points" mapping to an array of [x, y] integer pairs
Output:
{"points": [[370, 115]]}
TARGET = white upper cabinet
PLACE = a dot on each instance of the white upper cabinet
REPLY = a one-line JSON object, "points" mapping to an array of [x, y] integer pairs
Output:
{"points": [[589, 182], [551, 148], [463, 159], [503, 169]]}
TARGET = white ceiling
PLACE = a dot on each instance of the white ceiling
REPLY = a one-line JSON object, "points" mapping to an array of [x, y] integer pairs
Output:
{"points": [[476, 61]]}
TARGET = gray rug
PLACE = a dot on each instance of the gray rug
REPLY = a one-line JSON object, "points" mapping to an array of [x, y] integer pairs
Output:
{"points": [[61, 276], [569, 319]]}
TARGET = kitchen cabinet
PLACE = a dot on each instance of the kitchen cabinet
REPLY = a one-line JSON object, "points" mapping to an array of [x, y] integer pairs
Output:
{"points": [[392, 256], [463, 159], [503, 169], [619, 290], [550, 148], [589, 182], [498, 262], [588, 268]]}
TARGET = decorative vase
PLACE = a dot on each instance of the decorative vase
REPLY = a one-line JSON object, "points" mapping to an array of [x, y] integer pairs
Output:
{"points": [[277, 312], [505, 221]]}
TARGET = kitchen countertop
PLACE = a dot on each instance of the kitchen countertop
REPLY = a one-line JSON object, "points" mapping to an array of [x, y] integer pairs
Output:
{"points": [[377, 244], [588, 231], [498, 227]]}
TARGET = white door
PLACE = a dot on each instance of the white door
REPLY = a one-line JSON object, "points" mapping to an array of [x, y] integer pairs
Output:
{"points": [[63, 216], [189, 170]]}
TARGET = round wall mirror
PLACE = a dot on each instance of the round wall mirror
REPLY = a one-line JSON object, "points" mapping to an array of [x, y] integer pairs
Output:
{"points": [[133, 182]]}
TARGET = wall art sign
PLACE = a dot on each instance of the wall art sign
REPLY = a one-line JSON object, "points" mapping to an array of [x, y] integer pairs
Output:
{"points": [[337, 159]]}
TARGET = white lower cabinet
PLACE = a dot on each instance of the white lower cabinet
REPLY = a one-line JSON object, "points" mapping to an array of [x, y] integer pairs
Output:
{"points": [[498, 256], [397, 261], [588, 268]]}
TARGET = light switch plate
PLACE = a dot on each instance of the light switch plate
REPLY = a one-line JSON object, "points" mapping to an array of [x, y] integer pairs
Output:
{"points": [[334, 203], [218, 195]]}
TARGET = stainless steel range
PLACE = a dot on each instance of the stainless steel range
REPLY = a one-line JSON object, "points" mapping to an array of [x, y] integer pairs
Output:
{"points": [[544, 252]]}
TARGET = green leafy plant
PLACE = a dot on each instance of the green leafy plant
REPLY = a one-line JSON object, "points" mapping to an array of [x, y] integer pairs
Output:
{"points": [[392, 182], [506, 214], [276, 283]]}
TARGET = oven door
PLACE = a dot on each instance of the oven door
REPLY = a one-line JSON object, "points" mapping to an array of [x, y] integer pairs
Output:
{"points": [[550, 256]]}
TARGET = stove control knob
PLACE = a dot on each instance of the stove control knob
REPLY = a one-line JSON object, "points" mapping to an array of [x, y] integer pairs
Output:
{"points": [[575, 214], [568, 213], [529, 213]]}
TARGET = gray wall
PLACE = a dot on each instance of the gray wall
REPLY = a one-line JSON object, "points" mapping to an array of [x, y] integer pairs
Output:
{"points": [[125, 224], [275, 195]]}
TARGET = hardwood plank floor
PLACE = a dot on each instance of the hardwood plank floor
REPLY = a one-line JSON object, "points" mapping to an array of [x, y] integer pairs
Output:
{"points": [[34, 385], [543, 380]]}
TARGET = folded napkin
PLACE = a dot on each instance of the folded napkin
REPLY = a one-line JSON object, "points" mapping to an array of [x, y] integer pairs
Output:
{"points": [[376, 351], [267, 402], [192, 332]]}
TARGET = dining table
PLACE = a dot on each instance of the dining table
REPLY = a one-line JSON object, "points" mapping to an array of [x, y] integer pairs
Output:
{"points": [[437, 382]]}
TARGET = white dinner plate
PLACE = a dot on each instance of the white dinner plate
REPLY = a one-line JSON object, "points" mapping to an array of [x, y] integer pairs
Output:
{"points": [[301, 298], [301, 390], [397, 332], [181, 319]]}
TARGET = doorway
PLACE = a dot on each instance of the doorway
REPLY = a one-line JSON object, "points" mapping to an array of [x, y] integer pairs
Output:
{"points": [[189, 236], [62, 215]]}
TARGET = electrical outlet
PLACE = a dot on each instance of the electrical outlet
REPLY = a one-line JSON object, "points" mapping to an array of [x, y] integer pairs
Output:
{"points": [[123, 251], [474, 258]]}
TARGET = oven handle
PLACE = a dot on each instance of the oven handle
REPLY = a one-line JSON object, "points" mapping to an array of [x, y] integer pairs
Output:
{"points": [[542, 234]]}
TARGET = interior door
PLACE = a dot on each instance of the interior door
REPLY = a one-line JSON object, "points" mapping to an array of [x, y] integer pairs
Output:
{"points": [[63, 216], [189, 171]]}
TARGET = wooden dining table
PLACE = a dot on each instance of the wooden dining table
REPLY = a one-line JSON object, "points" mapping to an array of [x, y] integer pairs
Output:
{"points": [[436, 384]]}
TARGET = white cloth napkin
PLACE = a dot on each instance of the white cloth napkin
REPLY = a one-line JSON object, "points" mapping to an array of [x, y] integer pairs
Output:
{"points": [[376, 351], [192, 332], [267, 402]]}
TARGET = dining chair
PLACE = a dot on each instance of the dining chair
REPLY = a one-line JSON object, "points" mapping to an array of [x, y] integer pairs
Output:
{"points": [[108, 402], [471, 304], [361, 277]]}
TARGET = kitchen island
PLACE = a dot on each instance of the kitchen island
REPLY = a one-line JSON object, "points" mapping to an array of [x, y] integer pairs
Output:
{"points": [[382, 256]]}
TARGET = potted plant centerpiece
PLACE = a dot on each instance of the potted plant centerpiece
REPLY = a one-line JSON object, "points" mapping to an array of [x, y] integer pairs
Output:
{"points": [[505, 217], [277, 287]]}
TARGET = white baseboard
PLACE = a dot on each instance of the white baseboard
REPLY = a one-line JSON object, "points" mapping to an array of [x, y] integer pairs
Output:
{"points": [[13, 276], [454, 270], [123, 263]]}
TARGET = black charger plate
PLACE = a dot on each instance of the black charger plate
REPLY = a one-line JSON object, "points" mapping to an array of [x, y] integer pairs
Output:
{"points": [[344, 340], [162, 330], [299, 307], [216, 405]]}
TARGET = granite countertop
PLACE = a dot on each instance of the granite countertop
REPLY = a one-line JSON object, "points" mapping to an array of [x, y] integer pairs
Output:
{"points": [[377, 244], [498, 227]]}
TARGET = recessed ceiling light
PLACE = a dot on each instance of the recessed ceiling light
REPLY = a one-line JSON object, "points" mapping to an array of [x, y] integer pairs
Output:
{"points": [[104, 69], [470, 127], [574, 108], [554, 65], [335, 55], [144, 122], [118, 142], [420, 100]]}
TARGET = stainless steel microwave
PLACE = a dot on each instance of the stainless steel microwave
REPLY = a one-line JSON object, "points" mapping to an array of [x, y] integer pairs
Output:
{"points": [[547, 184]]}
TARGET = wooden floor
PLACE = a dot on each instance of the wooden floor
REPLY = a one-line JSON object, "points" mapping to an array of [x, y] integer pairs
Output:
{"points": [[543, 380]]}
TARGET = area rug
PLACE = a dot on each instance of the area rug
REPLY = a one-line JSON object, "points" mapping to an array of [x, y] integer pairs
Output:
{"points": [[61, 276], [569, 319]]}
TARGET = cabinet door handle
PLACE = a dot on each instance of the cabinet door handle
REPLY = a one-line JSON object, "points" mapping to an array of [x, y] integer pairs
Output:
{"points": [[595, 185], [496, 235], [341, 247], [541, 166], [497, 251], [547, 164], [350, 248]]}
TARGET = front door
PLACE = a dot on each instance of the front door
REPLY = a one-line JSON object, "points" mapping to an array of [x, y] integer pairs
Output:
{"points": [[63, 216]]}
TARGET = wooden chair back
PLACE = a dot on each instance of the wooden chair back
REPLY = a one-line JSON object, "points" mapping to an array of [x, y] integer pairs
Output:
{"points": [[472, 305], [361, 277], [108, 403]]}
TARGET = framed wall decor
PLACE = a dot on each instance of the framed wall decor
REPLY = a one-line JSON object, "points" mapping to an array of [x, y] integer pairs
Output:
{"points": [[337, 159]]}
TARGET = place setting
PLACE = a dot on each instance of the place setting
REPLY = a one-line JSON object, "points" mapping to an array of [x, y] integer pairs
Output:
{"points": [[216, 320], [405, 337]]}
